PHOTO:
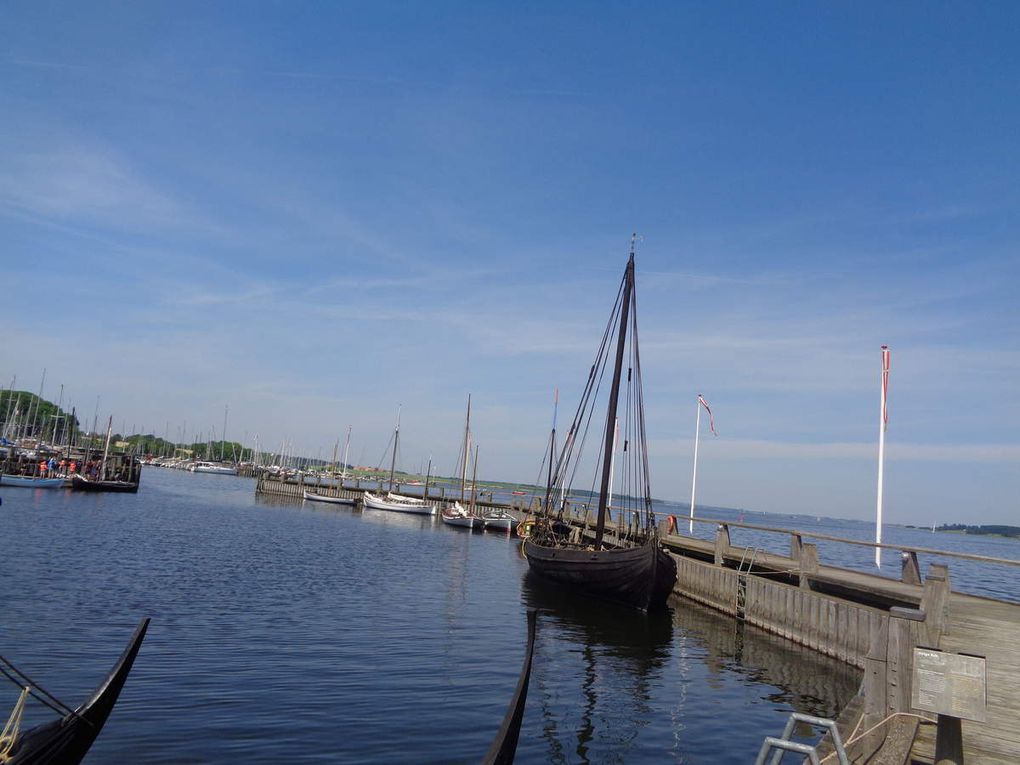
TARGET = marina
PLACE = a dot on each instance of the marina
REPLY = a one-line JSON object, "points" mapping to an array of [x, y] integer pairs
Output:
{"points": [[294, 292]]}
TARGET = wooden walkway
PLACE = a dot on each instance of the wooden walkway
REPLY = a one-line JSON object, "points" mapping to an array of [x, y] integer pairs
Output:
{"points": [[989, 628], [869, 621]]}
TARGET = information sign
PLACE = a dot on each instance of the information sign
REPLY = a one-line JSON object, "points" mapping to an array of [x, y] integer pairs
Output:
{"points": [[949, 684]]}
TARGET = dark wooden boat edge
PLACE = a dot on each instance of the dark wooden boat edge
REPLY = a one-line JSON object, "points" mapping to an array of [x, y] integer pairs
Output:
{"points": [[504, 746], [80, 483], [66, 741]]}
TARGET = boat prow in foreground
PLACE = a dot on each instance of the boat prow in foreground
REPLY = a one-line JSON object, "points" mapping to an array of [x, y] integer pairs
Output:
{"points": [[67, 740], [504, 746]]}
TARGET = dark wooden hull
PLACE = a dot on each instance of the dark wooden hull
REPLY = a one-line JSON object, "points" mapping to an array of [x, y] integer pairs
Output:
{"points": [[640, 577], [67, 740], [83, 484], [504, 746]]}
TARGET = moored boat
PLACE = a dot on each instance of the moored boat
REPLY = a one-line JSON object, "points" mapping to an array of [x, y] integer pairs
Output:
{"points": [[214, 468], [498, 519], [82, 483], [458, 515], [398, 503], [633, 569], [313, 497], [30, 482], [67, 740]]}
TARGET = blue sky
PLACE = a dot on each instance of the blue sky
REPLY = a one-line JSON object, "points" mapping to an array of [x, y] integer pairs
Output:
{"points": [[316, 212]]}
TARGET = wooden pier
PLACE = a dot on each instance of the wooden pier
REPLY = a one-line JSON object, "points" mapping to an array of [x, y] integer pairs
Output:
{"points": [[354, 488]]}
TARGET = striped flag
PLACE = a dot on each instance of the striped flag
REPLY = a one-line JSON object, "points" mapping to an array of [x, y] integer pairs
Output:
{"points": [[885, 386], [711, 420]]}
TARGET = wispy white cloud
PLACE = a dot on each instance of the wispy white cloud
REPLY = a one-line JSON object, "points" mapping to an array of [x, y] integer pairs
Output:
{"points": [[83, 183], [786, 450], [95, 192]]}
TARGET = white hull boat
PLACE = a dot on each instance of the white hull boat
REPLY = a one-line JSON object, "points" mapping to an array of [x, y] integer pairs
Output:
{"points": [[28, 482], [499, 520], [398, 503], [313, 497], [458, 515], [210, 467]]}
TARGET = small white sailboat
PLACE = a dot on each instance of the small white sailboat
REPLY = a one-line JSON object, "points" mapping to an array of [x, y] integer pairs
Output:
{"points": [[398, 503], [458, 515]]}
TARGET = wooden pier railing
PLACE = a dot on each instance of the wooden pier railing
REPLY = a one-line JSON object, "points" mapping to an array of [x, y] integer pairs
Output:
{"points": [[871, 622]]}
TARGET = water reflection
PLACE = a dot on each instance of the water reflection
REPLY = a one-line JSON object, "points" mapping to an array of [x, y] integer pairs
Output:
{"points": [[616, 685], [612, 657], [794, 676]]}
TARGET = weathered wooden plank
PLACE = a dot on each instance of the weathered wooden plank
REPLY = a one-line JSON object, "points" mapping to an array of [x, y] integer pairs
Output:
{"points": [[898, 741]]}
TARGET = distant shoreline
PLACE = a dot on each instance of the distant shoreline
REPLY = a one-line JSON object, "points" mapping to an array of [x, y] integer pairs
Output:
{"points": [[1006, 532]]}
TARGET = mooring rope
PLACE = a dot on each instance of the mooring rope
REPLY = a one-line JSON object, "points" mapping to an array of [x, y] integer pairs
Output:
{"points": [[13, 727], [46, 698], [855, 737]]}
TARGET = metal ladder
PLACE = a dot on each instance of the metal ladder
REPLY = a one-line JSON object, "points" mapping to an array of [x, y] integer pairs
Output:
{"points": [[784, 744], [740, 597]]}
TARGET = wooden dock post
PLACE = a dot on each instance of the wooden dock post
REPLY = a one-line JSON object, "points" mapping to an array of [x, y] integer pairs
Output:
{"points": [[807, 564], [722, 543]]}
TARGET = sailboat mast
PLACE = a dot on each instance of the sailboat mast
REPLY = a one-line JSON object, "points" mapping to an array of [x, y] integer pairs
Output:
{"points": [[467, 448], [614, 393], [552, 449], [396, 440], [474, 483], [106, 449], [347, 446], [223, 435]]}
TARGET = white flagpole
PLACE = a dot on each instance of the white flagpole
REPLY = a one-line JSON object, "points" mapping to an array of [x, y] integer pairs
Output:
{"points": [[694, 479], [881, 456]]}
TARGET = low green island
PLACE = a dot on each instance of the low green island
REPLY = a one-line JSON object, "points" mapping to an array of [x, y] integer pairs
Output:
{"points": [[991, 530]]}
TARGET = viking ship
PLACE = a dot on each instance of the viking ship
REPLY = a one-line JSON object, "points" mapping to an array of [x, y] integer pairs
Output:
{"points": [[625, 564], [67, 740], [504, 745]]}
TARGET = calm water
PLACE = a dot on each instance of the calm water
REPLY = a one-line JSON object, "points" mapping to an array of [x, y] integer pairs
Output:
{"points": [[304, 633]]}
